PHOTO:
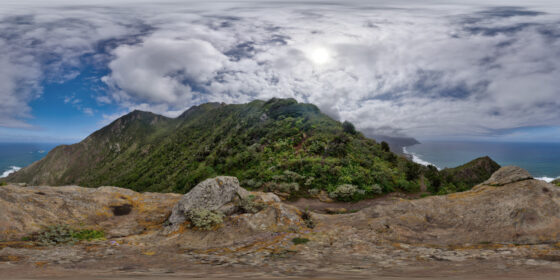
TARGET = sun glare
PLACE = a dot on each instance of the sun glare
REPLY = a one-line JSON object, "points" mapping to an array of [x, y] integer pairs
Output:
{"points": [[320, 56]]}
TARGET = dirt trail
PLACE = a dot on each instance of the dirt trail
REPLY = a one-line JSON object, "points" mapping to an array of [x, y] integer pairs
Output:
{"points": [[318, 206]]}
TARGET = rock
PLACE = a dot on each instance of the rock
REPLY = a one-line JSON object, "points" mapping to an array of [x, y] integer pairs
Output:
{"points": [[279, 217], [116, 211], [323, 196], [556, 182], [506, 175], [524, 212], [216, 194], [267, 197]]}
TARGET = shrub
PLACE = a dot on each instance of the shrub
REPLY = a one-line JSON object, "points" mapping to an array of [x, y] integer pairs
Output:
{"points": [[375, 189], [299, 240], [412, 171], [89, 234], [314, 192], [3, 183], [249, 204], [283, 187], [306, 217], [54, 235], [292, 176], [205, 219], [408, 186], [346, 192], [63, 234], [309, 181], [251, 184]]}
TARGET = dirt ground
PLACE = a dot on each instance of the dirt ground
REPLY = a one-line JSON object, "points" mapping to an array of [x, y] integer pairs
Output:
{"points": [[318, 206], [101, 260]]}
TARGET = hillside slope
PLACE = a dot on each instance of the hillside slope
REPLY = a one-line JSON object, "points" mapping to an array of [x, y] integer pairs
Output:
{"points": [[278, 145]]}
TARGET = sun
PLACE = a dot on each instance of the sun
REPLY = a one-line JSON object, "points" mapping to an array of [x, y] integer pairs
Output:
{"points": [[319, 56]]}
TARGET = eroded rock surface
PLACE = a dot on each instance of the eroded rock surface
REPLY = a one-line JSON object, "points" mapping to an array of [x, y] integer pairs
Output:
{"points": [[516, 226], [117, 211], [507, 175], [526, 212]]}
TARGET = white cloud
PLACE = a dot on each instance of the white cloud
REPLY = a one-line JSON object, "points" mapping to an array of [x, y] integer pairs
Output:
{"points": [[437, 70], [88, 111], [161, 70]]}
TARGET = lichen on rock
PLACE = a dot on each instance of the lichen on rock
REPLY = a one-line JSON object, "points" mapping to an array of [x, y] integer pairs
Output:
{"points": [[215, 194]]}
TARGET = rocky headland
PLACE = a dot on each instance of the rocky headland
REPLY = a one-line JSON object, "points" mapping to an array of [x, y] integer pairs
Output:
{"points": [[507, 226]]}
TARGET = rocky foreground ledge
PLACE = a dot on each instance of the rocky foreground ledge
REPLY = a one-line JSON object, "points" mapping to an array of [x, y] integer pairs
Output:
{"points": [[509, 225]]}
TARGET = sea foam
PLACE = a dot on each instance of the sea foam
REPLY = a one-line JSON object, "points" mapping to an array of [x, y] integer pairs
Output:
{"points": [[417, 159], [547, 179], [10, 171]]}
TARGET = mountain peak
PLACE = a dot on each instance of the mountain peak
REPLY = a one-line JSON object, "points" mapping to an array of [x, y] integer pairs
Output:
{"points": [[278, 145]]}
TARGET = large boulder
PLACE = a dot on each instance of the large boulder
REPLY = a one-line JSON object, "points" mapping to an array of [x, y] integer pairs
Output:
{"points": [[216, 194], [507, 175]]}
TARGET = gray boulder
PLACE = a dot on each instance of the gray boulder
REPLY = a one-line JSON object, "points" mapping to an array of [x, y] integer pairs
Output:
{"points": [[216, 194], [507, 175]]}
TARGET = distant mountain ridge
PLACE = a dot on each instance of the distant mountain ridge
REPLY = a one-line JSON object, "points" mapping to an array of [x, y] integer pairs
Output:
{"points": [[278, 145]]}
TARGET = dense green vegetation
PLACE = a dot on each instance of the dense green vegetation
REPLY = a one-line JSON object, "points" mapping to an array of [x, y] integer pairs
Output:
{"points": [[460, 178], [278, 145]]}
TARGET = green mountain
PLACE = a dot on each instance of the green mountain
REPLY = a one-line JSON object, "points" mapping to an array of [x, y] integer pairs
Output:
{"points": [[277, 145], [460, 178]]}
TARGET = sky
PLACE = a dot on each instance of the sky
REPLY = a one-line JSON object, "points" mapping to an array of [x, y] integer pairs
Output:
{"points": [[459, 70]]}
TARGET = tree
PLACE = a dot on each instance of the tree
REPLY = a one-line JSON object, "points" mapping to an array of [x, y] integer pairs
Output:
{"points": [[348, 127], [385, 146]]}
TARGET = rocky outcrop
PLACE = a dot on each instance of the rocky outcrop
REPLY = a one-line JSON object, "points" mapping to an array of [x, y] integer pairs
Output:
{"points": [[124, 213], [116, 211], [522, 211], [507, 175], [517, 224], [217, 194]]}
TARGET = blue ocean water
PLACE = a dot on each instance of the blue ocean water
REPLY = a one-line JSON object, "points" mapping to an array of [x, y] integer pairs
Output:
{"points": [[17, 155], [542, 160]]}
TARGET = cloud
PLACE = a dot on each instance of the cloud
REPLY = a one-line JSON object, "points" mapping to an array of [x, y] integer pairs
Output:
{"points": [[431, 70], [46, 46], [163, 70]]}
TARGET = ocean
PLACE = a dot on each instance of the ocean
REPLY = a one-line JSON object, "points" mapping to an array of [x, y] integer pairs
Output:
{"points": [[542, 160], [14, 156]]}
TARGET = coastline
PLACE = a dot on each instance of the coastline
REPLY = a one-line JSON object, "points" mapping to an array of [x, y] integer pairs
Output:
{"points": [[417, 159], [11, 170]]}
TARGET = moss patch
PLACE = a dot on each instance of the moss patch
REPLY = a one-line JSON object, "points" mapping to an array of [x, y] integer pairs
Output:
{"points": [[300, 240]]}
